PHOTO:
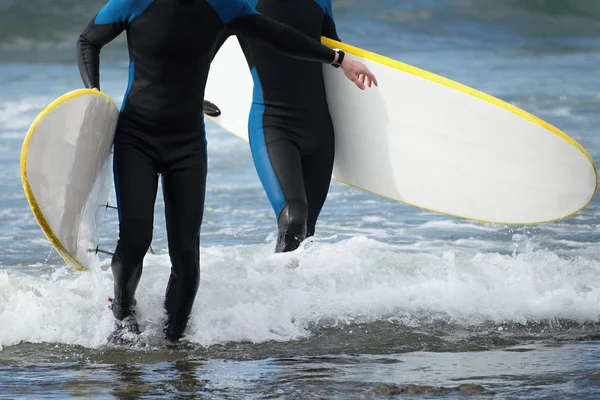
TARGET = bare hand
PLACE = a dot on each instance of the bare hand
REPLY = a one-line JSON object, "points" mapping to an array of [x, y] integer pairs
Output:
{"points": [[358, 73]]}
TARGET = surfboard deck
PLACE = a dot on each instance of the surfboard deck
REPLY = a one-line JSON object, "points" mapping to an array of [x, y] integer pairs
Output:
{"points": [[430, 142], [65, 171]]}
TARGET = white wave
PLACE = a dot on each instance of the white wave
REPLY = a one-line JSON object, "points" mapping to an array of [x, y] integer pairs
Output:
{"points": [[459, 224], [19, 114], [558, 112], [249, 294]]}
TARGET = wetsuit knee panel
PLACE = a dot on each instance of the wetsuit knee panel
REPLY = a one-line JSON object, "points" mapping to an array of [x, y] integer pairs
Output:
{"points": [[185, 258], [135, 238]]}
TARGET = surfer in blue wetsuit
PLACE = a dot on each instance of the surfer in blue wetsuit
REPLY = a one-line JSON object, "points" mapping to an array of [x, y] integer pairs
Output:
{"points": [[161, 128], [290, 129]]}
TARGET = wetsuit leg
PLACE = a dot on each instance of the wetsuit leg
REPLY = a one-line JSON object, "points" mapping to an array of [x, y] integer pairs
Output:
{"points": [[136, 183], [184, 185], [279, 165], [317, 169]]}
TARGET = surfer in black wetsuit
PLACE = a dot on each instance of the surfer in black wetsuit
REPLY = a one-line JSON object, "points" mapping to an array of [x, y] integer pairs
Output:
{"points": [[290, 129], [161, 127]]}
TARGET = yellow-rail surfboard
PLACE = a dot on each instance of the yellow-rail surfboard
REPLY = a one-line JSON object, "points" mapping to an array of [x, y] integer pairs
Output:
{"points": [[65, 171]]}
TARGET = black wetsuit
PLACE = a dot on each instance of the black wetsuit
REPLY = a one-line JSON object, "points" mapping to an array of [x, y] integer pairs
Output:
{"points": [[290, 129], [161, 127]]}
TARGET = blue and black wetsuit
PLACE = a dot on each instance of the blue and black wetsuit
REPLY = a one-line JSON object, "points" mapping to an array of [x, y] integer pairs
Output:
{"points": [[290, 129], [161, 127]]}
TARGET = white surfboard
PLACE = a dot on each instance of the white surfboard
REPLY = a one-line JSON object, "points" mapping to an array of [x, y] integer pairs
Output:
{"points": [[427, 141], [66, 171]]}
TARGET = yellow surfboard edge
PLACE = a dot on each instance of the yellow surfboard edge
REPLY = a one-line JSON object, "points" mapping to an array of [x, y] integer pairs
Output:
{"points": [[37, 212]]}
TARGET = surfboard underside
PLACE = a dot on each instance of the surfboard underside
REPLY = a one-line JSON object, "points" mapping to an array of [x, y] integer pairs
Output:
{"points": [[65, 171]]}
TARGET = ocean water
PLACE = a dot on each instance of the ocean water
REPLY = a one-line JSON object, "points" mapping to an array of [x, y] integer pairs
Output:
{"points": [[387, 301]]}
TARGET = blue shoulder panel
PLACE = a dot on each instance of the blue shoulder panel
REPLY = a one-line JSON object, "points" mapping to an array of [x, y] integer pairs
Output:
{"points": [[231, 9], [253, 3], [326, 7], [121, 11]]}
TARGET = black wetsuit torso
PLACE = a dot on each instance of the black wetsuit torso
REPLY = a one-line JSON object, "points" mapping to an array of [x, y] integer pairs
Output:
{"points": [[289, 86], [161, 127], [290, 129]]}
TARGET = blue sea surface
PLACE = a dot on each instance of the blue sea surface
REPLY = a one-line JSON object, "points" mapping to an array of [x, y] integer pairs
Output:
{"points": [[387, 301]]}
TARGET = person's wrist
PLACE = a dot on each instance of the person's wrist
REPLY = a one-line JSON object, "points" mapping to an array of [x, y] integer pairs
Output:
{"points": [[339, 58]]}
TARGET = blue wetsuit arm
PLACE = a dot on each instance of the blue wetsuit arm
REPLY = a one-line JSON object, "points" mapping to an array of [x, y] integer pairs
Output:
{"points": [[282, 37], [112, 19], [329, 29], [91, 40]]}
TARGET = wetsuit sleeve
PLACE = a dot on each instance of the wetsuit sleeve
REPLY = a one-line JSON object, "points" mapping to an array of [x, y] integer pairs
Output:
{"points": [[242, 19], [329, 24], [107, 25], [284, 38]]}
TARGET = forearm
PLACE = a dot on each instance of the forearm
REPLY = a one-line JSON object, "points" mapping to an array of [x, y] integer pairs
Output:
{"points": [[282, 37], [90, 42], [88, 60]]}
